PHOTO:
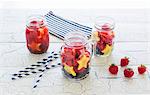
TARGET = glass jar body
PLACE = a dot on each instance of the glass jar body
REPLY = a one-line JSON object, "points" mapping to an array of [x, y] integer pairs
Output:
{"points": [[37, 35], [75, 56], [103, 36]]}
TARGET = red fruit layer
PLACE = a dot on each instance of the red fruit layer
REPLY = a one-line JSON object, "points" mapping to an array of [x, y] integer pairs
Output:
{"points": [[70, 56], [106, 37], [39, 38]]}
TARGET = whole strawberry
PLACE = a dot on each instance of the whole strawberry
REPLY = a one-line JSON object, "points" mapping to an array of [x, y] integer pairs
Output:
{"points": [[142, 69], [128, 72], [124, 61], [113, 69]]}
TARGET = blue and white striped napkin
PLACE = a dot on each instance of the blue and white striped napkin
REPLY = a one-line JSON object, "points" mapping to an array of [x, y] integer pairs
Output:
{"points": [[59, 26]]}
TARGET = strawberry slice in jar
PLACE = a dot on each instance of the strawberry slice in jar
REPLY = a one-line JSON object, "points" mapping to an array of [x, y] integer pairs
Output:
{"points": [[67, 56]]}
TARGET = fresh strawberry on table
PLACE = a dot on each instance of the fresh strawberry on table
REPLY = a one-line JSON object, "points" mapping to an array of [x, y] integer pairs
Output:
{"points": [[128, 72], [124, 61], [142, 69], [113, 69]]}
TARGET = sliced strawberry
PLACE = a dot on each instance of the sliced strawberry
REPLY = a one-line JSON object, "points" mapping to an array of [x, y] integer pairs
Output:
{"points": [[68, 51], [63, 59], [69, 62], [101, 45], [106, 37], [87, 53]]}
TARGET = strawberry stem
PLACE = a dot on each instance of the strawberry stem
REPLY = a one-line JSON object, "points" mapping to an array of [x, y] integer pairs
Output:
{"points": [[129, 69], [143, 65], [113, 64]]}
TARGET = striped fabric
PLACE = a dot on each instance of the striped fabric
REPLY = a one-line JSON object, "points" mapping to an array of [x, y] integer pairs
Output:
{"points": [[59, 26]]}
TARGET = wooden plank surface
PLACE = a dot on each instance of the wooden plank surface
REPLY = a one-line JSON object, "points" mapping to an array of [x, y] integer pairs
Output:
{"points": [[132, 40]]}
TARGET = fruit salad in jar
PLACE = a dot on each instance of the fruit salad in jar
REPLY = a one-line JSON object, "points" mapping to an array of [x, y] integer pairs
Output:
{"points": [[37, 35], [103, 36], [76, 56]]}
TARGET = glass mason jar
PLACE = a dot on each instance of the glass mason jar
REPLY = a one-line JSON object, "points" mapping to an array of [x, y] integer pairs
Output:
{"points": [[103, 36], [76, 55], [37, 35]]}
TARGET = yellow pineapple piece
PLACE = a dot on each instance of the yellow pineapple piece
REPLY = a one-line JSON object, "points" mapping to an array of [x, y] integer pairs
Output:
{"points": [[70, 70], [83, 62], [107, 49], [95, 37]]}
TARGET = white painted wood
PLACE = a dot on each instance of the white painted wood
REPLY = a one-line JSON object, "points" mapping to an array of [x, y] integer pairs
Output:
{"points": [[131, 25]]}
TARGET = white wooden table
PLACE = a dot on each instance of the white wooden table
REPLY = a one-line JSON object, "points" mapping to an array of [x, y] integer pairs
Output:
{"points": [[132, 40]]}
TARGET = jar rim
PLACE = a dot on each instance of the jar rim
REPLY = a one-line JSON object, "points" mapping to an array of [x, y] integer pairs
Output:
{"points": [[78, 36], [104, 20], [35, 17]]}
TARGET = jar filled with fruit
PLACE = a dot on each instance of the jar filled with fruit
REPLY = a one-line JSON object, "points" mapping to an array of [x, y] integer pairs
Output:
{"points": [[76, 55], [37, 35], [103, 36]]}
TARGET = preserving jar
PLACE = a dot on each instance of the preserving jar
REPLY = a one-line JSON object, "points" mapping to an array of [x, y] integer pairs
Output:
{"points": [[37, 35], [103, 36], [76, 55]]}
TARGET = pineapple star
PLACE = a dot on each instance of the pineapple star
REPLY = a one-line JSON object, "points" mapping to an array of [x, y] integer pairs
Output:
{"points": [[95, 36], [107, 49], [35, 46], [70, 70], [83, 62]]}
